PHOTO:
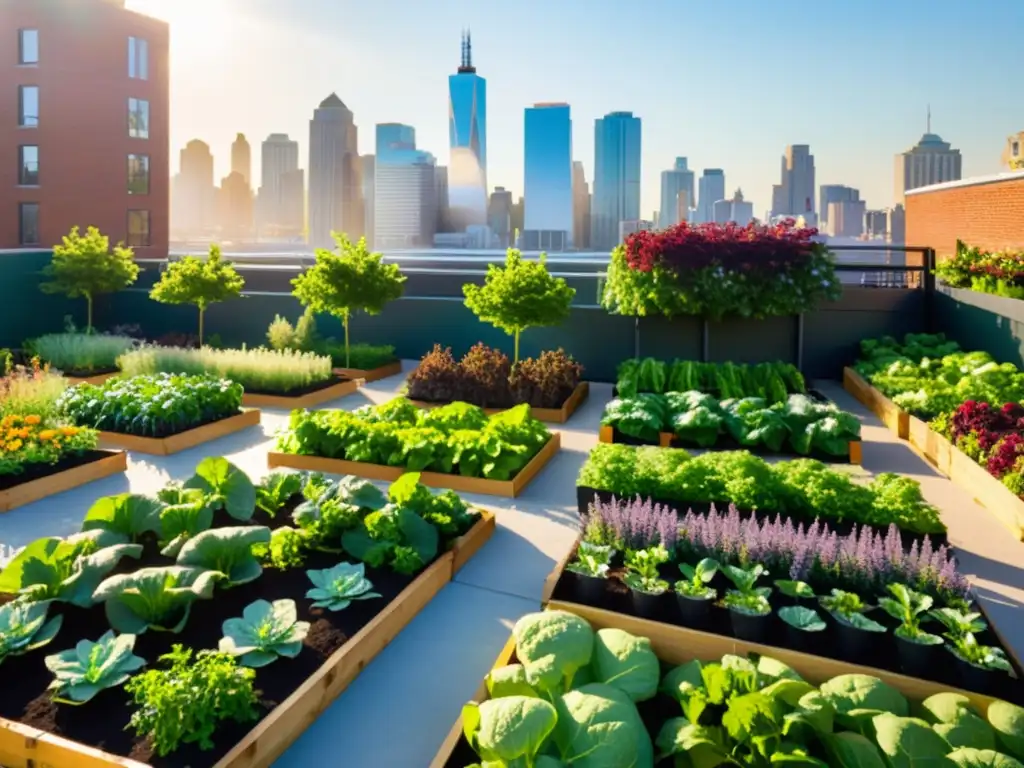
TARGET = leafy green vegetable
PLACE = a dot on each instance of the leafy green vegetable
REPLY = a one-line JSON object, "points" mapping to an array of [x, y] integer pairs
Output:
{"points": [[1008, 721], [801, 617], [909, 607], [287, 549], [626, 662], [592, 560], [599, 725], [552, 646], [276, 489], [265, 632], [226, 487], [127, 515], [335, 588], [24, 627], [641, 417], [154, 598], [697, 579], [383, 534], [966, 757], [508, 731], [228, 551], [907, 741], [88, 668], [181, 521]]}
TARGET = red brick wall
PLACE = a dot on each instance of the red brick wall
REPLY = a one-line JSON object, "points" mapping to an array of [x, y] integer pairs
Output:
{"points": [[989, 215], [83, 120]]}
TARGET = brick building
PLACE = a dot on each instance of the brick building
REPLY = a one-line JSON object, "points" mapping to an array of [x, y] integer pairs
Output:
{"points": [[84, 129]]}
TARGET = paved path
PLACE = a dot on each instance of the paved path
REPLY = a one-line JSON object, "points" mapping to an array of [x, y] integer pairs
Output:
{"points": [[400, 708]]}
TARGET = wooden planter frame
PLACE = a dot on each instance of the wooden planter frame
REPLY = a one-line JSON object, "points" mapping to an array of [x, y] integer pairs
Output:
{"points": [[894, 417], [25, 747], [510, 488], [371, 374], [51, 485], [190, 438], [308, 400], [549, 415], [607, 435]]}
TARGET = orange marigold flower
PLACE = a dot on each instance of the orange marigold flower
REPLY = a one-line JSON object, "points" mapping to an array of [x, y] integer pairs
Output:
{"points": [[33, 420], [69, 431], [14, 445], [47, 434], [24, 433]]}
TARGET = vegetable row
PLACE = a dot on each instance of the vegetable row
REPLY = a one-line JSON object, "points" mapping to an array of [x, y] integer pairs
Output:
{"points": [[990, 435], [998, 272], [770, 381]]}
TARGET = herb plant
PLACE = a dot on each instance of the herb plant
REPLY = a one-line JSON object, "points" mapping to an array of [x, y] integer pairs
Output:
{"points": [[698, 577], [200, 282], [518, 296], [157, 598], [303, 337], [81, 353], [746, 597], [642, 570], [335, 588], [265, 632], [592, 560], [88, 668], [848, 608], [24, 627], [187, 701], [909, 607]]}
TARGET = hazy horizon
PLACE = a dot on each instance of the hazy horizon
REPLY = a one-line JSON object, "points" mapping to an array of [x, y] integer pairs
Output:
{"points": [[725, 85]]}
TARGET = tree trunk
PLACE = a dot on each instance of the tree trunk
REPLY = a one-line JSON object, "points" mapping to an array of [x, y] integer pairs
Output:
{"points": [[88, 313], [515, 358], [344, 321], [202, 311]]}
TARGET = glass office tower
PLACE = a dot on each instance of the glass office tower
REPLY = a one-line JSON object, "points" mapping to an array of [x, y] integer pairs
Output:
{"points": [[547, 170], [616, 196], [467, 130]]}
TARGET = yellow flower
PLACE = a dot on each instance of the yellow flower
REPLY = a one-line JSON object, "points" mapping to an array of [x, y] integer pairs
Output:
{"points": [[32, 420], [14, 445], [24, 433], [69, 431], [47, 434]]}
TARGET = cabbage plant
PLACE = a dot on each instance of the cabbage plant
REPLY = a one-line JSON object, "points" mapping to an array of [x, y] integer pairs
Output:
{"points": [[155, 598], [228, 551], [265, 632], [24, 627], [83, 671], [335, 588]]}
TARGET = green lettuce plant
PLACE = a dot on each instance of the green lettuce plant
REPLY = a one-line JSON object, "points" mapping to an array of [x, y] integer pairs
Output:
{"points": [[155, 598], [803, 618], [265, 632], [746, 597], [187, 514], [225, 487], [276, 489], [909, 608], [592, 560], [335, 588], [848, 608], [287, 549], [88, 668], [698, 578], [642, 569], [125, 517], [393, 536], [24, 627], [227, 551]]}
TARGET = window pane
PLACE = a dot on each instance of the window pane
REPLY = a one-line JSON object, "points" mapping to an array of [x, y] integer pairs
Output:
{"points": [[28, 167], [143, 48], [138, 174], [28, 106], [28, 46], [28, 224], [138, 118], [138, 228], [132, 57]]}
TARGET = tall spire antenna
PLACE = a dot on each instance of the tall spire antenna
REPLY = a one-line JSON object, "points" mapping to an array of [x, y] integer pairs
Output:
{"points": [[469, 49], [466, 64]]}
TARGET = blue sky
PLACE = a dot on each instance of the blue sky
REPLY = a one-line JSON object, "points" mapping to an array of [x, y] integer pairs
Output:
{"points": [[727, 83]]}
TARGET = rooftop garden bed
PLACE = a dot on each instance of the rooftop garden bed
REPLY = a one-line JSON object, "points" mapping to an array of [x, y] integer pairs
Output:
{"points": [[211, 605], [622, 693], [81, 355], [772, 381], [1000, 272]]}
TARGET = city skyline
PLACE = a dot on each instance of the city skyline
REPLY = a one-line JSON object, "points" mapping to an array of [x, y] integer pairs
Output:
{"points": [[408, 82]]}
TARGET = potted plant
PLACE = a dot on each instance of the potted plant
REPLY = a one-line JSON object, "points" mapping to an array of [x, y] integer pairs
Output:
{"points": [[749, 609], [802, 624], [644, 580], [695, 594], [855, 631], [793, 592], [199, 281], [591, 569], [918, 650], [979, 667]]}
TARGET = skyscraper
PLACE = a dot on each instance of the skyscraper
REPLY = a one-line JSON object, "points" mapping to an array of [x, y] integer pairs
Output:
{"points": [[580, 207], [834, 193], [846, 218], [444, 223], [467, 133], [794, 195], [235, 209], [368, 169], [241, 158], [931, 161], [281, 204], [711, 189], [404, 189], [194, 191], [499, 216], [335, 189], [678, 179], [547, 170], [616, 196]]}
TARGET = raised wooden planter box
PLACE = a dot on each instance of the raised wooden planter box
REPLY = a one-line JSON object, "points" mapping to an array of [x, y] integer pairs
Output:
{"points": [[894, 417], [469, 543], [678, 645], [165, 446], [372, 374], [510, 488], [24, 747], [607, 435], [308, 400], [98, 379], [550, 415], [34, 490], [986, 490]]}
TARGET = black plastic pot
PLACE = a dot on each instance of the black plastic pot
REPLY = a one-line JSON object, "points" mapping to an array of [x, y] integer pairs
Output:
{"points": [[647, 605], [855, 645], [696, 611], [978, 679], [753, 629], [802, 640], [918, 659], [590, 589]]}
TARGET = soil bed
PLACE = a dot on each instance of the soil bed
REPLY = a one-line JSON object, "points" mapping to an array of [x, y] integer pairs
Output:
{"points": [[40, 471]]}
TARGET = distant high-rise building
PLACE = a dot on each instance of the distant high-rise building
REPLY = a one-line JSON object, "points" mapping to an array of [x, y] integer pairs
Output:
{"points": [[368, 164], [1013, 155], [547, 171], [846, 218], [627, 228], [194, 192], [236, 208], [673, 181], [794, 195], [444, 223], [683, 206], [580, 207], [335, 189], [897, 225], [516, 219], [404, 190], [931, 161], [241, 158], [711, 189], [499, 215], [834, 193], [876, 223], [736, 210], [616, 195], [467, 133], [280, 206]]}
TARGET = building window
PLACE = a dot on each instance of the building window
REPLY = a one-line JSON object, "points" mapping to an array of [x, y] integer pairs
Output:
{"points": [[28, 224], [1015, 149], [28, 166], [28, 46], [138, 118], [138, 58], [138, 174], [138, 228], [28, 106]]}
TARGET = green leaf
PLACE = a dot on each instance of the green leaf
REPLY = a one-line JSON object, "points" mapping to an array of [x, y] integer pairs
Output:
{"points": [[508, 681], [848, 693], [265, 632], [789, 691], [1008, 720], [680, 681], [228, 551], [552, 645], [626, 662], [851, 750], [24, 627], [418, 534], [513, 727], [966, 757], [799, 617], [154, 598], [598, 725], [796, 589], [909, 743], [678, 736], [88, 668], [228, 487], [813, 710], [954, 718], [128, 515]]}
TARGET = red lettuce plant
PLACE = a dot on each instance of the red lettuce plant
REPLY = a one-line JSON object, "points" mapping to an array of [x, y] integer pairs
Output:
{"points": [[547, 381], [437, 378], [1004, 456], [485, 373], [714, 270]]}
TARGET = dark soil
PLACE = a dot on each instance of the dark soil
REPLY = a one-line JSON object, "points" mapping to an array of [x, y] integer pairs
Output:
{"points": [[585, 497], [39, 471], [90, 374], [502, 402], [300, 391], [102, 722]]}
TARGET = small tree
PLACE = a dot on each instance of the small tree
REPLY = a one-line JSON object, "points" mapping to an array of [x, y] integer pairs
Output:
{"points": [[84, 266], [520, 295], [199, 281], [351, 280]]}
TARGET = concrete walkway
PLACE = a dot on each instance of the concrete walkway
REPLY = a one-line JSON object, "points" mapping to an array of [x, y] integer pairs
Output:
{"points": [[398, 711]]}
